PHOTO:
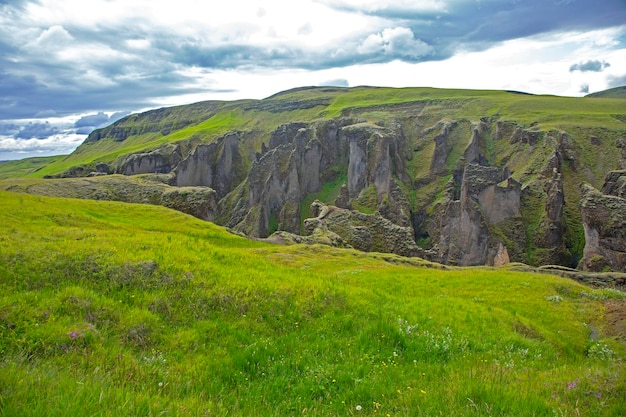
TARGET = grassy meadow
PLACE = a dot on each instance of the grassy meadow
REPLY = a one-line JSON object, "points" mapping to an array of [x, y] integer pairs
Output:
{"points": [[111, 309]]}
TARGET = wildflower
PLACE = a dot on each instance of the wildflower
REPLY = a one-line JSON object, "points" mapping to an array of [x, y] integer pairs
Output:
{"points": [[572, 385], [358, 407], [160, 384], [422, 391]]}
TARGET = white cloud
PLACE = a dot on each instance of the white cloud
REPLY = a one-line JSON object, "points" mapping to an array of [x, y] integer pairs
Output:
{"points": [[138, 43], [538, 65], [58, 144], [398, 41], [377, 5], [54, 37]]}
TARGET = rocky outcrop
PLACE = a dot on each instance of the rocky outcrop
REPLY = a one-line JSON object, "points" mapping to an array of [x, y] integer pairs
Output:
{"points": [[604, 221], [218, 165], [158, 161], [366, 232], [276, 184], [375, 161], [200, 202], [463, 225], [615, 184], [443, 146], [300, 158]]}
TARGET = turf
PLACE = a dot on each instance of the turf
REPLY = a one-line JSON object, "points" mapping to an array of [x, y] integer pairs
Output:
{"points": [[120, 309]]}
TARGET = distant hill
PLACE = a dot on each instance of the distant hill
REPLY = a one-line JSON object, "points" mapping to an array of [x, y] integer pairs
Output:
{"points": [[24, 167], [617, 92]]}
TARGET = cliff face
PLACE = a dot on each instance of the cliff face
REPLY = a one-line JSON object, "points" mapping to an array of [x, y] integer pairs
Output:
{"points": [[604, 220], [429, 177]]}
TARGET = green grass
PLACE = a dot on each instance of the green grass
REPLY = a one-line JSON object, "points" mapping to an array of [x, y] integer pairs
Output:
{"points": [[23, 167], [118, 309]]}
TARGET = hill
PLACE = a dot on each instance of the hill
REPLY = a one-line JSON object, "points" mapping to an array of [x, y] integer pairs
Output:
{"points": [[24, 167], [121, 309], [460, 177], [617, 92]]}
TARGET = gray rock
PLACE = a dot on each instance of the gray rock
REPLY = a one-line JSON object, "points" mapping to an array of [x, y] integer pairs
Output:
{"points": [[604, 221]]}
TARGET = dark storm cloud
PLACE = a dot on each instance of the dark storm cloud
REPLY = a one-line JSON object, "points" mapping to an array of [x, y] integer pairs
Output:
{"points": [[591, 65]]}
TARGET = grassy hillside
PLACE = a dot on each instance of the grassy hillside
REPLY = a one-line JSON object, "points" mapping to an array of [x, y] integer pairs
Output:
{"points": [[617, 92], [24, 167], [116, 309], [206, 121]]}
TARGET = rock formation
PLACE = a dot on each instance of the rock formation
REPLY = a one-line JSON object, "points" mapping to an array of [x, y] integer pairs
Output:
{"points": [[604, 220], [425, 177], [200, 202], [366, 232]]}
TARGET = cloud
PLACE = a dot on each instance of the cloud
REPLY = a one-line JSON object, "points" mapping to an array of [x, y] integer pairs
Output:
{"points": [[591, 65], [92, 120], [59, 144], [305, 29], [616, 81], [54, 37], [450, 26], [9, 129], [398, 42], [36, 131], [338, 82], [389, 8], [584, 88], [87, 124]]}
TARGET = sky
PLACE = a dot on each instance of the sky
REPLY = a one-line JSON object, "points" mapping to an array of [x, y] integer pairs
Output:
{"points": [[68, 67]]}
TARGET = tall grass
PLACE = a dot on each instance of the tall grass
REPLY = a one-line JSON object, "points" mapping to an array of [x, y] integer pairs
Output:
{"points": [[117, 309]]}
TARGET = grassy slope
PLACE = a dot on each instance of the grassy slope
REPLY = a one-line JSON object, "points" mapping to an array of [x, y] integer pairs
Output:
{"points": [[617, 92], [546, 112], [24, 167], [118, 309]]}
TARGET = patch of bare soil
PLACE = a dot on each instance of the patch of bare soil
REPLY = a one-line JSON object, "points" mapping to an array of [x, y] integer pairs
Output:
{"points": [[615, 315]]}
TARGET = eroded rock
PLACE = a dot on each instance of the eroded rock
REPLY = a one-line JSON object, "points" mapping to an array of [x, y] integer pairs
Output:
{"points": [[366, 232], [604, 221]]}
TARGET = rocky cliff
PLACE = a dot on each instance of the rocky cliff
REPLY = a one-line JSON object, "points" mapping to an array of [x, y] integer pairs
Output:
{"points": [[460, 178], [604, 220]]}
